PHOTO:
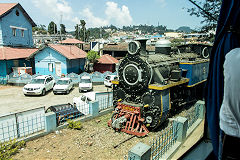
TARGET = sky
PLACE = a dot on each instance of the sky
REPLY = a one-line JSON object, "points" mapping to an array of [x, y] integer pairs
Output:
{"points": [[97, 13]]}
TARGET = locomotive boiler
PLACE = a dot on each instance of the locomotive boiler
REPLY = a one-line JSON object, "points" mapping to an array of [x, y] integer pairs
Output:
{"points": [[152, 85]]}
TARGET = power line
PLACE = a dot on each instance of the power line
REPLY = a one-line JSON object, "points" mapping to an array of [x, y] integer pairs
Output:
{"points": [[206, 12]]}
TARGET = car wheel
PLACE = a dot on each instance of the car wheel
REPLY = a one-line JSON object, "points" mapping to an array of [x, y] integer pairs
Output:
{"points": [[67, 91], [43, 92], [80, 91]]}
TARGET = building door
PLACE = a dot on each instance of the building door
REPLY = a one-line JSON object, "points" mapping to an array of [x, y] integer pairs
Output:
{"points": [[58, 68]]}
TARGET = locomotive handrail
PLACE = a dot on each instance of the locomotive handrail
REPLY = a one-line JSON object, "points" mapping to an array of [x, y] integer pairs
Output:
{"points": [[163, 87], [196, 62], [197, 83]]}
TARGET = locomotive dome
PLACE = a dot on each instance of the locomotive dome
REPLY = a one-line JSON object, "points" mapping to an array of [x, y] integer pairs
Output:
{"points": [[163, 46], [163, 43]]}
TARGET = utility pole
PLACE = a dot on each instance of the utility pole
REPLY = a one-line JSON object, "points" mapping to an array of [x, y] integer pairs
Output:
{"points": [[78, 25], [60, 27], [54, 28], [84, 34]]}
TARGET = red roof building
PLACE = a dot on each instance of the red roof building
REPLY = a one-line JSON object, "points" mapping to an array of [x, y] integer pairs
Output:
{"points": [[106, 63], [71, 41], [16, 42], [69, 51], [9, 53], [5, 8]]}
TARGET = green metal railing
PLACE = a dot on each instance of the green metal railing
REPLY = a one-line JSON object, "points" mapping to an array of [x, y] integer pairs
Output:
{"points": [[166, 139]]}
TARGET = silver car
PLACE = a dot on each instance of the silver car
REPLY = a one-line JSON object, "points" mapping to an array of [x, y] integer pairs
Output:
{"points": [[63, 85]]}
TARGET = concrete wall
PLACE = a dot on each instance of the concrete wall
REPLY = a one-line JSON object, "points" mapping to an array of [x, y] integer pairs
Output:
{"points": [[46, 56], [12, 20]]}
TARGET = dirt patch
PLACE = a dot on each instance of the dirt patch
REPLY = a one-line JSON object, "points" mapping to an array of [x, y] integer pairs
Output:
{"points": [[95, 141], [4, 87]]}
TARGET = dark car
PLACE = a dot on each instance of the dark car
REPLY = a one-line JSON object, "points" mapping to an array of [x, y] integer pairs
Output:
{"points": [[64, 112]]}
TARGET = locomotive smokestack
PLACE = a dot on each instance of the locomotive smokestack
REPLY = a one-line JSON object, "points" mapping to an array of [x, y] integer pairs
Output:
{"points": [[137, 46], [143, 46]]}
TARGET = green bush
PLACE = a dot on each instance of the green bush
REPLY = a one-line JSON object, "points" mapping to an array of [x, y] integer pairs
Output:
{"points": [[92, 56], [7, 149], [74, 124]]}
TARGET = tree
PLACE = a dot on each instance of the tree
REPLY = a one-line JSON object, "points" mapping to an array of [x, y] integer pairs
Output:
{"points": [[81, 32], [62, 29], [92, 56], [39, 29], [52, 28], [77, 31], [210, 14]]}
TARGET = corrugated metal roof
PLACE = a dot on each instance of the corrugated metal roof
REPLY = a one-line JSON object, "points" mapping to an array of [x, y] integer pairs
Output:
{"points": [[69, 51], [71, 41], [7, 53], [107, 59]]}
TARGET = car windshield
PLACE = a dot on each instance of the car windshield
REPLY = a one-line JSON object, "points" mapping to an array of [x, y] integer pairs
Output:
{"points": [[37, 81], [85, 81], [62, 82], [108, 78]]}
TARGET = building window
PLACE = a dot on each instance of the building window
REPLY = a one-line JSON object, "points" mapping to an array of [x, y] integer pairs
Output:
{"points": [[50, 67], [14, 32], [17, 13], [22, 32]]}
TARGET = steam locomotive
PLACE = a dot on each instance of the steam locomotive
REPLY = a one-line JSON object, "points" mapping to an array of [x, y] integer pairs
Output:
{"points": [[152, 85]]}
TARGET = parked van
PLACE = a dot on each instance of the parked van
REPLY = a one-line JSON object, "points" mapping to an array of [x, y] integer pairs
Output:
{"points": [[85, 84]]}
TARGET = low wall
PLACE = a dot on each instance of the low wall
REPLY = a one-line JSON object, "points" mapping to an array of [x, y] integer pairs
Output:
{"points": [[35, 123], [21, 80]]}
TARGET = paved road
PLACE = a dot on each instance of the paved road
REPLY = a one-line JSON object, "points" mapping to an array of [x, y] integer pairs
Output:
{"points": [[12, 99]]}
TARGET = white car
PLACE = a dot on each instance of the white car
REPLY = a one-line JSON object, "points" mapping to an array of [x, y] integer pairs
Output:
{"points": [[39, 85], [63, 85], [85, 84], [108, 80], [82, 102]]}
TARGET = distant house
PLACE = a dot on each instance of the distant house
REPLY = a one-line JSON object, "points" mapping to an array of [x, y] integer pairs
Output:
{"points": [[106, 63], [54, 59], [16, 42], [72, 41], [173, 35]]}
